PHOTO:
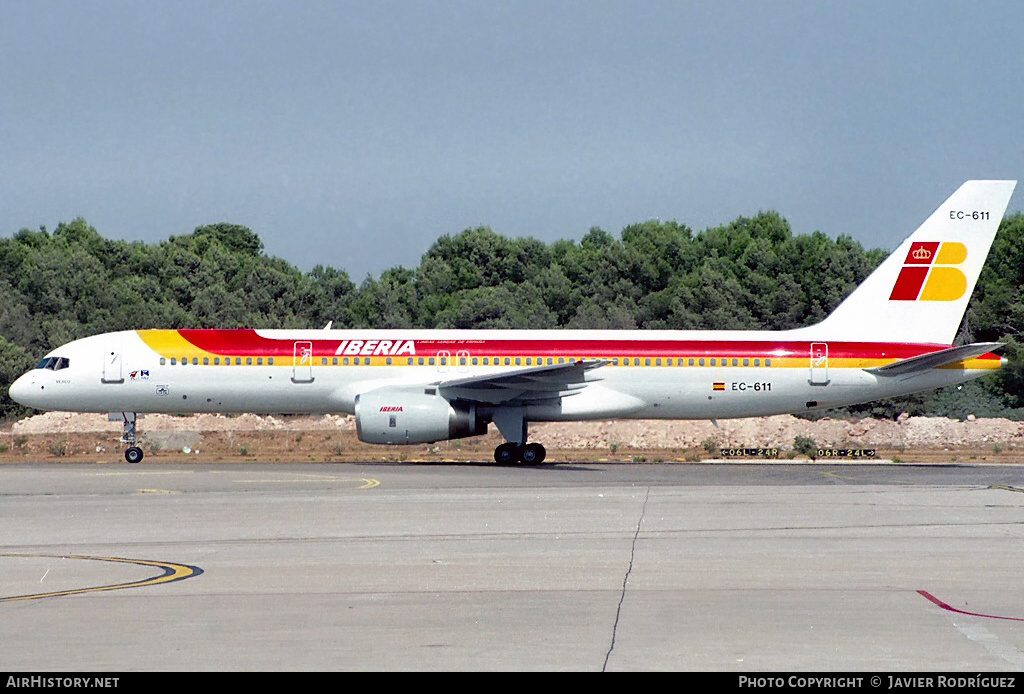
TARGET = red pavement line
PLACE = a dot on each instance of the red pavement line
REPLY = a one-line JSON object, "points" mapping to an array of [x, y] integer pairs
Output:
{"points": [[944, 606]]}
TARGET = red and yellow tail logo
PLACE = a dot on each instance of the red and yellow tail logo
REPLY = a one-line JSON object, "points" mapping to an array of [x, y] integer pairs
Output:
{"points": [[928, 273]]}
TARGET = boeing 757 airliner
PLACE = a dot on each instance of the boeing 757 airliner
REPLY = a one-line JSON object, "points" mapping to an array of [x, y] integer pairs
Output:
{"points": [[892, 336]]}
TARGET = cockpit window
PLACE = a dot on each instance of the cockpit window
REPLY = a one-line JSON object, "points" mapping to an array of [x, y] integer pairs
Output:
{"points": [[54, 363]]}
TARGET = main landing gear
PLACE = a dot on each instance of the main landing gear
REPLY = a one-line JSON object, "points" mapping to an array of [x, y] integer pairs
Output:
{"points": [[512, 425], [510, 453], [133, 454]]}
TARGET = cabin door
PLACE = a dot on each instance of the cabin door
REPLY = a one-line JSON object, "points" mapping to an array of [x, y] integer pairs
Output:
{"points": [[302, 362], [819, 364], [112, 372]]}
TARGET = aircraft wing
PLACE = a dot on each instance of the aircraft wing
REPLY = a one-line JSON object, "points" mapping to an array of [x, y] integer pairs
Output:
{"points": [[522, 386], [934, 360]]}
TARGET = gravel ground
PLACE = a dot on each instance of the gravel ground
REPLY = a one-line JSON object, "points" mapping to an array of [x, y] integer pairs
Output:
{"points": [[778, 432]]}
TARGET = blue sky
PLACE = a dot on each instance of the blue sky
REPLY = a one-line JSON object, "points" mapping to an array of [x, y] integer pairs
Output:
{"points": [[353, 134]]}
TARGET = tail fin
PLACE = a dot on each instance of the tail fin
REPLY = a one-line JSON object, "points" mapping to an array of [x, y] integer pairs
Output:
{"points": [[920, 292]]}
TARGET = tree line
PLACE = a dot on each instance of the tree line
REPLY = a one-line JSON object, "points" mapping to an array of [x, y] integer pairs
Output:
{"points": [[752, 273]]}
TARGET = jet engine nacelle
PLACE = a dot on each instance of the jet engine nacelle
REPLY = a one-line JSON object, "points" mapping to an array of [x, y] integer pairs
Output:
{"points": [[395, 416]]}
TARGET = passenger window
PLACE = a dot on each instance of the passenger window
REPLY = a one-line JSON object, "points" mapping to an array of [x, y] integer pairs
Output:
{"points": [[757, 362], [506, 361], [529, 361], [270, 361], [248, 361], [767, 362], [206, 361], [259, 361], [647, 361], [420, 361], [735, 362], [746, 362], [162, 361], [388, 361], [700, 362], [344, 361], [690, 363]]}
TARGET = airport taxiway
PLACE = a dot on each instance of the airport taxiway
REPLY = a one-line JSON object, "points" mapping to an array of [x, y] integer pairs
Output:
{"points": [[582, 567]]}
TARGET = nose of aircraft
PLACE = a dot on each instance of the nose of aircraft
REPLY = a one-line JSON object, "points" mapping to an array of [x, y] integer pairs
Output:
{"points": [[20, 391]]}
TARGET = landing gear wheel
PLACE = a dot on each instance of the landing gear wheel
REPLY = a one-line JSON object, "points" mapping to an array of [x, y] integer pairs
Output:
{"points": [[506, 454], [533, 454], [133, 454]]}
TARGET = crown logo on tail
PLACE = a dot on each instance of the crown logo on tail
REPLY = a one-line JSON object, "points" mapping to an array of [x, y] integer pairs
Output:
{"points": [[929, 272]]}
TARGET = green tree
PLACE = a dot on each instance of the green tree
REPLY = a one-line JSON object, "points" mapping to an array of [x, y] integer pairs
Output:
{"points": [[505, 306], [234, 237], [14, 361]]}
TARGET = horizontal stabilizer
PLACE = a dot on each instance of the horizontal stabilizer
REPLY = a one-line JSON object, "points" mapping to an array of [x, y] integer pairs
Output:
{"points": [[934, 360]]}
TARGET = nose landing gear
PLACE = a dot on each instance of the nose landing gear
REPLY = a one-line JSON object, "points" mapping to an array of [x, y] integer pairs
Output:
{"points": [[132, 454]]}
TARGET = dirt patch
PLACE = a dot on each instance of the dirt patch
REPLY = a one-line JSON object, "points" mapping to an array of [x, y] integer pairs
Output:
{"points": [[63, 436], [65, 422], [781, 431]]}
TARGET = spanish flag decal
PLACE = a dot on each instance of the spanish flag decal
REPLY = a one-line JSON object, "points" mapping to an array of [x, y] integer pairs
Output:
{"points": [[717, 385], [929, 272]]}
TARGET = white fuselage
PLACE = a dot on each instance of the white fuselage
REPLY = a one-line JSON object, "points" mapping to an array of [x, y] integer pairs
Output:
{"points": [[656, 375]]}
